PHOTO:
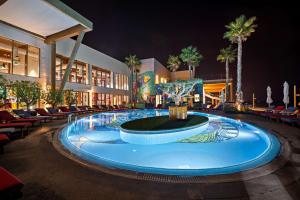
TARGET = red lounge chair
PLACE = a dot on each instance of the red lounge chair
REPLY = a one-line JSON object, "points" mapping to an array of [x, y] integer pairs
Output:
{"points": [[20, 125], [10, 186], [65, 109], [290, 118], [26, 114], [98, 108], [9, 118], [3, 141], [43, 112]]}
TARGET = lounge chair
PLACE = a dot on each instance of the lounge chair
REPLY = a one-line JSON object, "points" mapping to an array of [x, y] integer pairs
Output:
{"points": [[97, 108], [74, 109], [159, 106], [65, 110], [10, 185], [55, 111], [8, 118], [3, 141], [279, 113], [25, 114], [43, 112], [20, 125]]}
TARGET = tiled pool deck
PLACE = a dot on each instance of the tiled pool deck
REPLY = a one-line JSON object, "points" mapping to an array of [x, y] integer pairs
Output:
{"points": [[49, 175]]}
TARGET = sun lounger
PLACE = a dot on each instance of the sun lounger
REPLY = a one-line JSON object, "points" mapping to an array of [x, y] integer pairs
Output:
{"points": [[8, 117], [43, 112], [26, 114], [3, 141], [10, 185]]}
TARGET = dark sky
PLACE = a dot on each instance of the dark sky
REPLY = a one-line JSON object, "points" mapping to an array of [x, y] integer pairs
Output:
{"points": [[160, 28]]}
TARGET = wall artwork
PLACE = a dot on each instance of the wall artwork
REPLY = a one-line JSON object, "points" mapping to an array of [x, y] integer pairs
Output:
{"points": [[146, 86]]}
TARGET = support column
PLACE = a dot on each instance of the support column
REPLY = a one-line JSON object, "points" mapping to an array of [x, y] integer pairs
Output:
{"points": [[90, 75], [203, 96], [71, 61], [53, 66]]}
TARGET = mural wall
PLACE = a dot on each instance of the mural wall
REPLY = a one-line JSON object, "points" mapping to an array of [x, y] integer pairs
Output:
{"points": [[146, 86]]}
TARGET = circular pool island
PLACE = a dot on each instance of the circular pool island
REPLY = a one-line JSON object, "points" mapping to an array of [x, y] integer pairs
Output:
{"points": [[162, 130], [217, 145]]}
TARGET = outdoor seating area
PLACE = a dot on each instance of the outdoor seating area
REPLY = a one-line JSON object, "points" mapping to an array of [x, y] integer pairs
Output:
{"points": [[290, 115]]}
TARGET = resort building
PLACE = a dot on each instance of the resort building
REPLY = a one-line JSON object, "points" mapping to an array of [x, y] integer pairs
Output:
{"points": [[38, 48], [153, 73]]}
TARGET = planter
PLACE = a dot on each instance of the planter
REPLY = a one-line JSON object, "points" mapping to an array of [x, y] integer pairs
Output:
{"points": [[177, 112]]}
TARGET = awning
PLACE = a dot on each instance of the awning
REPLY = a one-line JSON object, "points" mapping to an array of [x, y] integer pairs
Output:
{"points": [[49, 19]]}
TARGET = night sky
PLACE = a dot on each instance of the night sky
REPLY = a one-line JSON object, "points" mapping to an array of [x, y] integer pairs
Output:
{"points": [[160, 28]]}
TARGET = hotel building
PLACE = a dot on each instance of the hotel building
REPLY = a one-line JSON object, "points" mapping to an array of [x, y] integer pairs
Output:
{"points": [[36, 45]]}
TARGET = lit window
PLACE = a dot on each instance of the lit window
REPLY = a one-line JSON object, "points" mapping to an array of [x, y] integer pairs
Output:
{"points": [[156, 79], [196, 97], [33, 61]]}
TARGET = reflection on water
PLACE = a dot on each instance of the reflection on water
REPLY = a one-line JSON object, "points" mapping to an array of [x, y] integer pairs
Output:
{"points": [[225, 146]]}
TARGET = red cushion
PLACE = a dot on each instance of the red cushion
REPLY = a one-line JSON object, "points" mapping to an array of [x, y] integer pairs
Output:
{"points": [[19, 124], [32, 120], [279, 108], [6, 116], [8, 180], [3, 138]]}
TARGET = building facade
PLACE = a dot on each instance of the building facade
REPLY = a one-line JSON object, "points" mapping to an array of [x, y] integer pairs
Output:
{"points": [[26, 54]]}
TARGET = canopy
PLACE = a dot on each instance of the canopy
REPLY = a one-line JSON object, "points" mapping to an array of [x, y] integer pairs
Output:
{"points": [[50, 19]]}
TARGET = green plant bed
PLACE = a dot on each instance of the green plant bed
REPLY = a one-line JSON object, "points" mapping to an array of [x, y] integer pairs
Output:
{"points": [[163, 123]]}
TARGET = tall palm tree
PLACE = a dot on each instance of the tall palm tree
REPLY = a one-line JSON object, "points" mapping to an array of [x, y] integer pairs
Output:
{"points": [[227, 55], [173, 63], [192, 58], [132, 61], [238, 32]]}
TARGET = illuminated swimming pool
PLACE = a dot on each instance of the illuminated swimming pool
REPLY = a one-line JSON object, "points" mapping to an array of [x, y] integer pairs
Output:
{"points": [[224, 146]]}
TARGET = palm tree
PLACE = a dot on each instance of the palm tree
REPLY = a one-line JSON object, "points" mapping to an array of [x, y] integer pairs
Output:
{"points": [[192, 58], [132, 62], [173, 63], [227, 55], [238, 32]]}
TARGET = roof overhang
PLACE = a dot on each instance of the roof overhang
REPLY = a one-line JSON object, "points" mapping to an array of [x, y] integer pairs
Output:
{"points": [[49, 19]]}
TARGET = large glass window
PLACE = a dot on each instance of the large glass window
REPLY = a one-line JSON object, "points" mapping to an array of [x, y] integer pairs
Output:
{"points": [[82, 98], [5, 56], [101, 77], [121, 81], [33, 61], [78, 72], [19, 58], [102, 99]]}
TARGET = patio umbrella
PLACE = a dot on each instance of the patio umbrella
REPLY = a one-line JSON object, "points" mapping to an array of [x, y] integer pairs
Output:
{"points": [[269, 94], [286, 99], [222, 97]]}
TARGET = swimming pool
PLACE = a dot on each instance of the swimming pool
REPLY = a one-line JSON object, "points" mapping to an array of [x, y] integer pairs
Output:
{"points": [[225, 145]]}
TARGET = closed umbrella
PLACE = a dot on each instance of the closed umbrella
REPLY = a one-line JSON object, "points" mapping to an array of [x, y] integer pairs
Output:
{"points": [[286, 99], [269, 94], [222, 97]]}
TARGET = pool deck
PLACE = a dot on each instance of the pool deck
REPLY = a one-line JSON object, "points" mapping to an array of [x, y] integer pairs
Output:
{"points": [[49, 175]]}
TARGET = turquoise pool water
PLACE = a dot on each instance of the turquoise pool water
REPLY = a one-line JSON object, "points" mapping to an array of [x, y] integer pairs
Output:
{"points": [[223, 146]]}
